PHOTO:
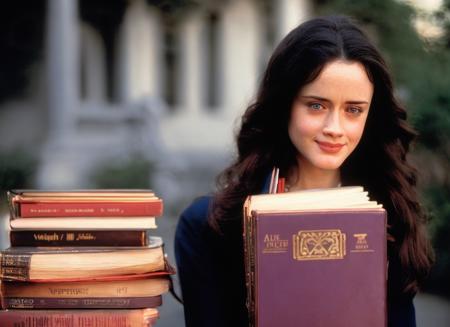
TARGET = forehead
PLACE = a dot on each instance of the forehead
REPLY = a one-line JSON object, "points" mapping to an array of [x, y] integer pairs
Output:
{"points": [[341, 78]]}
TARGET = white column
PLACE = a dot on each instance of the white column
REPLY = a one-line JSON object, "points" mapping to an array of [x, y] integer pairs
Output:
{"points": [[62, 66], [58, 168], [289, 14], [241, 47], [192, 68], [93, 61], [140, 62]]}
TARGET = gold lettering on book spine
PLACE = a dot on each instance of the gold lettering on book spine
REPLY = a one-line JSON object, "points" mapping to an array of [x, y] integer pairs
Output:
{"points": [[15, 267], [325, 244]]}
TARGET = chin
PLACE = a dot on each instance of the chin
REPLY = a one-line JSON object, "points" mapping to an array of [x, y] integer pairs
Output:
{"points": [[328, 164]]}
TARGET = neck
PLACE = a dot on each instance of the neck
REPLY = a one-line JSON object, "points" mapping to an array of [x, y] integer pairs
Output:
{"points": [[309, 177]]}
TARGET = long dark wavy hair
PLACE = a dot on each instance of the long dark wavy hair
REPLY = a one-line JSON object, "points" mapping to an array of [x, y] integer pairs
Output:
{"points": [[379, 162]]}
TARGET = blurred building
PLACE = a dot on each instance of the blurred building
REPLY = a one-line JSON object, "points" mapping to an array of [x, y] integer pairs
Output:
{"points": [[136, 79]]}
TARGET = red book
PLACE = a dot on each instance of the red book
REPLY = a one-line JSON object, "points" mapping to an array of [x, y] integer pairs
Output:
{"points": [[79, 318], [84, 203], [89, 209]]}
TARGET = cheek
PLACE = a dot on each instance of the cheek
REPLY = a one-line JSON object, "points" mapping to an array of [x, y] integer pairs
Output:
{"points": [[303, 125], [355, 131]]}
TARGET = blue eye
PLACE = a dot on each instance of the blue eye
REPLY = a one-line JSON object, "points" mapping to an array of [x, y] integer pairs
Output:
{"points": [[315, 106], [354, 110]]}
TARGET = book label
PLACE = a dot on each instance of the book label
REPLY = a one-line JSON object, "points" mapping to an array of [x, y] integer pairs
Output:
{"points": [[89, 209]]}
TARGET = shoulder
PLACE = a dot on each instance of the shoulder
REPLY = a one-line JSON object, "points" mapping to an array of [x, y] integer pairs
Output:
{"points": [[193, 221], [196, 214]]}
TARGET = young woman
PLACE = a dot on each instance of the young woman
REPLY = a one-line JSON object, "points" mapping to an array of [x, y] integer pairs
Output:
{"points": [[326, 116]]}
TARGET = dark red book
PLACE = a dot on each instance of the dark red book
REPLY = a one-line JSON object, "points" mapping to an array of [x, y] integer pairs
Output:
{"points": [[315, 267], [79, 318], [79, 238], [82, 303], [84, 203]]}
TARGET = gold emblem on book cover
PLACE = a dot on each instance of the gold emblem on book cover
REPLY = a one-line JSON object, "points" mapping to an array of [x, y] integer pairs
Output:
{"points": [[361, 244], [325, 244]]}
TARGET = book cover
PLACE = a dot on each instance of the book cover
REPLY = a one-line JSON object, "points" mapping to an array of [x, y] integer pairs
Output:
{"points": [[79, 238], [60, 263], [79, 318], [320, 268]]}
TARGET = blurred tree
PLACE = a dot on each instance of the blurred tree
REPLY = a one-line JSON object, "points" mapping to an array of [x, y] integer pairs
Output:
{"points": [[21, 39], [442, 17], [135, 172], [17, 170]]}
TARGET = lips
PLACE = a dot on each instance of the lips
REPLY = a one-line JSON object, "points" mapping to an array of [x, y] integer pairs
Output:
{"points": [[330, 147]]}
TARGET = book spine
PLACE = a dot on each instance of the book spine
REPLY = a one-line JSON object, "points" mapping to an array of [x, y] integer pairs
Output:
{"points": [[76, 318], [15, 266], [78, 238], [250, 254], [252, 277], [92, 209], [81, 303]]}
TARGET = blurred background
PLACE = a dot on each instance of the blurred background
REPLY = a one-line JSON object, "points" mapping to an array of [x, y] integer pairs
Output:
{"points": [[148, 93]]}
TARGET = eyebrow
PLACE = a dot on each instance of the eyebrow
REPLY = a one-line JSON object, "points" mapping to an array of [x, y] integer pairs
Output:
{"points": [[329, 101]]}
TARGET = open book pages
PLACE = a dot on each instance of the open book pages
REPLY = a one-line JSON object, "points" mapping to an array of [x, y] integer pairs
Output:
{"points": [[315, 199]]}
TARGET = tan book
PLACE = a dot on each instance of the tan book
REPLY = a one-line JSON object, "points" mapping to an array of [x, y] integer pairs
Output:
{"points": [[84, 193], [83, 223], [88, 289], [80, 263]]}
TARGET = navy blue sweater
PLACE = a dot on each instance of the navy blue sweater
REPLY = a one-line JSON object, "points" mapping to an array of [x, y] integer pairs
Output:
{"points": [[211, 273]]}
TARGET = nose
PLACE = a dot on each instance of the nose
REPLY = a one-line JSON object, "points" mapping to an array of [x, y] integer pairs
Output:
{"points": [[332, 125]]}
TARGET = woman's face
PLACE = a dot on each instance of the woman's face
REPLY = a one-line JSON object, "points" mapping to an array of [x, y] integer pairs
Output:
{"points": [[329, 114]]}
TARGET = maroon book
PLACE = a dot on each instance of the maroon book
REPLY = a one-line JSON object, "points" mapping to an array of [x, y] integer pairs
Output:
{"points": [[82, 303], [322, 268], [79, 238]]}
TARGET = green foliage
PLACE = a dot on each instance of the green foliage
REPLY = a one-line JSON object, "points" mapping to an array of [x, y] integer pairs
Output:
{"points": [[442, 18], [132, 173], [17, 170], [421, 70], [436, 198]]}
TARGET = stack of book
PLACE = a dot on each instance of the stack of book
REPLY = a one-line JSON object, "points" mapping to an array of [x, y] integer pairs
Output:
{"points": [[83, 258]]}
